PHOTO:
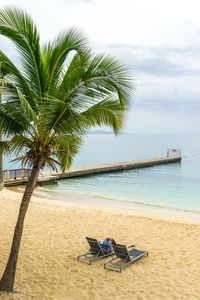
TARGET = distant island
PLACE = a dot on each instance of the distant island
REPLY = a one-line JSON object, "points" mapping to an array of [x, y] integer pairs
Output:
{"points": [[104, 132], [99, 132]]}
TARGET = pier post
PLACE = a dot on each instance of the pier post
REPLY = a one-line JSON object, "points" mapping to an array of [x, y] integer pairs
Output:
{"points": [[7, 175], [23, 173]]}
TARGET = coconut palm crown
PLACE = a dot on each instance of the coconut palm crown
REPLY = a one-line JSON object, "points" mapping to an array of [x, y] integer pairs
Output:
{"points": [[52, 95]]}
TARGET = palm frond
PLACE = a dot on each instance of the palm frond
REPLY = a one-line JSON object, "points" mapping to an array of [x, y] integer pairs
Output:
{"points": [[5, 147], [56, 53], [12, 121], [74, 75], [52, 163], [66, 147], [11, 72], [106, 113], [18, 26], [16, 95], [107, 75], [19, 143], [58, 117]]}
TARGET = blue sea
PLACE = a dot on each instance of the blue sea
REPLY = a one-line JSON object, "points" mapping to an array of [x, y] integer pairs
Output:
{"points": [[174, 185]]}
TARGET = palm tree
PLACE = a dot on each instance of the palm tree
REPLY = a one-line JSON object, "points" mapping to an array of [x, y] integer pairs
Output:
{"points": [[53, 96]]}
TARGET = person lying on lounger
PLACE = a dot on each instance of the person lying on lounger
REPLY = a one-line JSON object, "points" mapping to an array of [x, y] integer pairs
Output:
{"points": [[107, 245]]}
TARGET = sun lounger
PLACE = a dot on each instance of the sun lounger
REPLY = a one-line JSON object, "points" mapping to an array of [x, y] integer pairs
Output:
{"points": [[123, 257], [96, 252]]}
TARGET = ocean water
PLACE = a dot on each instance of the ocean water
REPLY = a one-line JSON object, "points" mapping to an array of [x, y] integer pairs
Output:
{"points": [[174, 185]]}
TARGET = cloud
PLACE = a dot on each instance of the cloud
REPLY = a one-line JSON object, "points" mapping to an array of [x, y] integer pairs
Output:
{"points": [[160, 61], [160, 46], [167, 93], [142, 120]]}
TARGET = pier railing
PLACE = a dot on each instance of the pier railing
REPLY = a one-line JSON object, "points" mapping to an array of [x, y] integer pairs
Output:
{"points": [[16, 174], [20, 176]]}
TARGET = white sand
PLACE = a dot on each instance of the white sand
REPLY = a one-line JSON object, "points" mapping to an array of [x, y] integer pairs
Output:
{"points": [[54, 235]]}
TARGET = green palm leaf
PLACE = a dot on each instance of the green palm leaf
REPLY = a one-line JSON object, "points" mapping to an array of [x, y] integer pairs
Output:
{"points": [[108, 112], [11, 72], [5, 147], [18, 26], [66, 147], [57, 52]]}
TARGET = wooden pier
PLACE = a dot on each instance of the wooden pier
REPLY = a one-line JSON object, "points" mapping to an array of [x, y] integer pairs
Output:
{"points": [[50, 177]]}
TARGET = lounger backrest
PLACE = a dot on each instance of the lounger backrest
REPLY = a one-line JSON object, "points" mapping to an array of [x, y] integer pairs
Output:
{"points": [[94, 245], [121, 251]]}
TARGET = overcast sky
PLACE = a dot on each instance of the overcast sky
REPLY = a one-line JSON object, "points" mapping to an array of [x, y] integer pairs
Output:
{"points": [[158, 40]]}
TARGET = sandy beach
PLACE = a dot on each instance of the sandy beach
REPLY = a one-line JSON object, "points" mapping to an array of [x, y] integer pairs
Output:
{"points": [[54, 234]]}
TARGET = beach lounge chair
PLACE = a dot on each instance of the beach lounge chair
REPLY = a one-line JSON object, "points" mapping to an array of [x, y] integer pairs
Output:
{"points": [[96, 252], [123, 257]]}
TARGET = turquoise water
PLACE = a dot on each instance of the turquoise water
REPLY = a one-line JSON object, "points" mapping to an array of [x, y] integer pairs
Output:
{"points": [[174, 185]]}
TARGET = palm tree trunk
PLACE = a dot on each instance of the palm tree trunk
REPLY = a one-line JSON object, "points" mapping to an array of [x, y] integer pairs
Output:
{"points": [[1, 162], [8, 278]]}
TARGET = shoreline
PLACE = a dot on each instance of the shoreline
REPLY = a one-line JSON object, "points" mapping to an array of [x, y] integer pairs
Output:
{"points": [[94, 202]]}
